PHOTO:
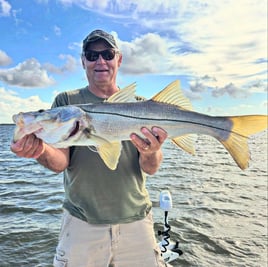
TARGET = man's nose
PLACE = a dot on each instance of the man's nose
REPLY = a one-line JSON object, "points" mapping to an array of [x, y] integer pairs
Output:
{"points": [[100, 58]]}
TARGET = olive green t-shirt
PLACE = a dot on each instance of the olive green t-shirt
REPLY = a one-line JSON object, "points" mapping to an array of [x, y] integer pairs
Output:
{"points": [[93, 192]]}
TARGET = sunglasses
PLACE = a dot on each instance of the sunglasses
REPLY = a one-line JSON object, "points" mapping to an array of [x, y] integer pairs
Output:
{"points": [[107, 54]]}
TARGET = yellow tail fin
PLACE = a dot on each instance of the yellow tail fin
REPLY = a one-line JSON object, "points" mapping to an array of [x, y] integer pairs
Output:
{"points": [[237, 143]]}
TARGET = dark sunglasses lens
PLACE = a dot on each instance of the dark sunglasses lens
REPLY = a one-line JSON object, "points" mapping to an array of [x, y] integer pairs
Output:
{"points": [[108, 54], [94, 55], [91, 55]]}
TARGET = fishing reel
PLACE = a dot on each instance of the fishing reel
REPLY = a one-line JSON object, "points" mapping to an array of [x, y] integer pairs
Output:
{"points": [[170, 250]]}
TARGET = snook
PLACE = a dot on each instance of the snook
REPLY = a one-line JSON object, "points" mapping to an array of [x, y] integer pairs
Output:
{"points": [[106, 124]]}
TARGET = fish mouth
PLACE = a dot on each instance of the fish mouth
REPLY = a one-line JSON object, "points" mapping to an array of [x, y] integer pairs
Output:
{"points": [[75, 129]]}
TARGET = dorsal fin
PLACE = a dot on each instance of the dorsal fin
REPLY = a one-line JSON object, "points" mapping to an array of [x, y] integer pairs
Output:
{"points": [[172, 94], [126, 94]]}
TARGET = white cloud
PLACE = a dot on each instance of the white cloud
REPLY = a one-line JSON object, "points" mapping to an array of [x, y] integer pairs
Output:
{"points": [[69, 66], [5, 8], [27, 74], [4, 59], [57, 30], [231, 90], [88, 4], [112, 7], [240, 109], [145, 54], [31, 74], [11, 103]]}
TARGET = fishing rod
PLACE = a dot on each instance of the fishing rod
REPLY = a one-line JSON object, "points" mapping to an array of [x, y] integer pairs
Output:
{"points": [[170, 250]]}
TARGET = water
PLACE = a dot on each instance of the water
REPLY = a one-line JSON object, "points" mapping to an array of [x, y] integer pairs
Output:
{"points": [[219, 212]]}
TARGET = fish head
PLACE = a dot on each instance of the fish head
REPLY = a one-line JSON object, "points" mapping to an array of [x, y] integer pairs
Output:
{"points": [[53, 126]]}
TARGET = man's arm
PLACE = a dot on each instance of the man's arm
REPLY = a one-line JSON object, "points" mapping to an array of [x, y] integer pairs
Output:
{"points": [[150, 148], [52, 158]]}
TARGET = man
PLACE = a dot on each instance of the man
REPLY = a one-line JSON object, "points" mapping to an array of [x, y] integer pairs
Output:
{"points": [[107, 217]]}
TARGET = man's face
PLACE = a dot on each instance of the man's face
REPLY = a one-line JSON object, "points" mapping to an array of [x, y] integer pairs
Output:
{"points": [[101, 72]]}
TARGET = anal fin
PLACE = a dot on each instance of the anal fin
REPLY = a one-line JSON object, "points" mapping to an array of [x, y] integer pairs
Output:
{"points": [[186, 142]]}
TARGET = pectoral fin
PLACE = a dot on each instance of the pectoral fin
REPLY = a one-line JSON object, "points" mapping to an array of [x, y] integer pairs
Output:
{"points": [[110, 153]]}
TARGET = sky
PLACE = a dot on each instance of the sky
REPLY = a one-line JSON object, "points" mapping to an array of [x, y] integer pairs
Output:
{"points": [[217, 49]]}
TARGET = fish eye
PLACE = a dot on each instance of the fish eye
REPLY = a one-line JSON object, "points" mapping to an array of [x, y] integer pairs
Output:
{"points": [[41, 110]]}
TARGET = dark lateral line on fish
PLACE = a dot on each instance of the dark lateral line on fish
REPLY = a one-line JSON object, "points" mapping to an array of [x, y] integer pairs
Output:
{"points": [[170, 120], [138, 118]]}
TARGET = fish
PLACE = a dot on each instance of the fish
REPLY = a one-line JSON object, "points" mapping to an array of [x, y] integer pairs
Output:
{"points": [[105, 125]]}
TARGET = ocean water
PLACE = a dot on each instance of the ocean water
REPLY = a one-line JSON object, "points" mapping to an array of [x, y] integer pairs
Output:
{"points": [[219, 212]]}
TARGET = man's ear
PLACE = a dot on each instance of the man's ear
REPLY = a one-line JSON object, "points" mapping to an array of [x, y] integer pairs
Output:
{"points": [[82, 61], [120, 59]]}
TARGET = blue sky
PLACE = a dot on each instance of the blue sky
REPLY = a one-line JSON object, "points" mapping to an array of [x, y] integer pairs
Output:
{"points": [[217, 49]]}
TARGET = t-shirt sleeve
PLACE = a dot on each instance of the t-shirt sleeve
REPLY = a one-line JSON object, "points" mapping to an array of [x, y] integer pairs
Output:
{"points": [[60, 100]]}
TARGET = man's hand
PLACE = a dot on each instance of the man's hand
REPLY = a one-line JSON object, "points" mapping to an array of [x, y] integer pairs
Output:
{"points": [[152, 142], [55, 159], [149, 147], [28, 147]]}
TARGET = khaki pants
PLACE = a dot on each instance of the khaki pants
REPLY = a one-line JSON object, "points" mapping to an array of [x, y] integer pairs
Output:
{"points": [[122, 245]]}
